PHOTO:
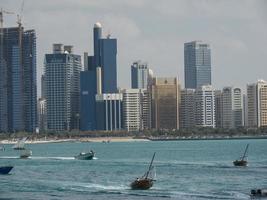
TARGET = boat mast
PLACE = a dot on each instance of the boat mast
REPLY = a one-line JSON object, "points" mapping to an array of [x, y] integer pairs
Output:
{"points": [[150, 166], [245, 152]]}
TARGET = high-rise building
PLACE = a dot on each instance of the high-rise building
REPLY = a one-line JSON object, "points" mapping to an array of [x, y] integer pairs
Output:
{"points": [[205, 106], [141, 75], [187, 108], [232, 107], [218, 108], [136, 109], [109, 112], [18, 90], [42, 118], [165, 103], [197, 64], [257, 104], [62, 76], [105, 57]]}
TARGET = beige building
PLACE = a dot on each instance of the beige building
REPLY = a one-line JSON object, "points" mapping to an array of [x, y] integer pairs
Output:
{"points": [[257, 104], [165, 103]]}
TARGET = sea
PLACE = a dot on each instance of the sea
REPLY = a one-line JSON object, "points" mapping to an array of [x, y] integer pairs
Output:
{"points": [[191, 169]]}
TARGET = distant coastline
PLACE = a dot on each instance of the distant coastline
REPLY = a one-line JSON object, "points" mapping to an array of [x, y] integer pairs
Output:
{"points": [[128, 139]]}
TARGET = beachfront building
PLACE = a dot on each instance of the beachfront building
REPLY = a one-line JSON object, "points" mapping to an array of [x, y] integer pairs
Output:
{"points": [[62, 75], [109, 112], [218, 108], [257, 104], [42, 118], [205, 106], [187, 108], [232, 108], [197, 64], [136, 109], [18, 88], [165, 103]]}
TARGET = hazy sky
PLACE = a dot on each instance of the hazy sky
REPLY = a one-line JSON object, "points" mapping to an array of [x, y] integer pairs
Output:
{"points": [[155, 31]]}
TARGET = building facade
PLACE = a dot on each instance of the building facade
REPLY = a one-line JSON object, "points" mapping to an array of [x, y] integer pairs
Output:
{"points": [[197, 64], [232, 108], [187, 109], [257, 104], [165, 103], [218, 109], [205, 106], [18, 89], [105, 57], [136, 109], [62, 76], [109, 112], [141, 75]]}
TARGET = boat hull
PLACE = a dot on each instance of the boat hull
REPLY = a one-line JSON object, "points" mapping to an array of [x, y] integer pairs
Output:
{"points": [[142, 184], [241, 163], [5, 169], [25, 154], [86, 156]]}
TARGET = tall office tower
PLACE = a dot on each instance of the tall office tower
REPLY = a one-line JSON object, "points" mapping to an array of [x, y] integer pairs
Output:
{"points": [[205, 106], [197, 64], [136, 109], [165, 103], [105, 57], [62, 75], [187, 108], [218, 108], [18, 91], [256, 102], [232, 108], [141, 75]]}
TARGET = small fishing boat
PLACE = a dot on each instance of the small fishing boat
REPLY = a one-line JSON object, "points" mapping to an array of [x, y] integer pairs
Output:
{"points": [[146, 181], [85, 155], [5, 169], [26, 153], [20, 144], [258, 193], [243, 160]]}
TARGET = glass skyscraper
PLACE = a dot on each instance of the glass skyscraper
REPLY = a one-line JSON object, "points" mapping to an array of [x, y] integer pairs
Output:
{"points": [[18, 91], [197, 64], [62, 76], [141, 75], [105, 57]]}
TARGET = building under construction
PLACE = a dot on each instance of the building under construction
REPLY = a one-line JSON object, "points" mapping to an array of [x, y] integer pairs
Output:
{"points": [[18, 97]]}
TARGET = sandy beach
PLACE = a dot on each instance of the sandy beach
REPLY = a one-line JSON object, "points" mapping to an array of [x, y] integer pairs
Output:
{"points": [[89, 139]]}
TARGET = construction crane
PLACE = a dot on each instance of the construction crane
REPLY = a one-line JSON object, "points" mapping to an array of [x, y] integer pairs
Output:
{"points": [[1, 16], [19, 16]]}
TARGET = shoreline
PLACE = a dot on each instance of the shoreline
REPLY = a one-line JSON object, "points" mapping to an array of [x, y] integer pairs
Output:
{"points": [[79, 140], [129, 139]]}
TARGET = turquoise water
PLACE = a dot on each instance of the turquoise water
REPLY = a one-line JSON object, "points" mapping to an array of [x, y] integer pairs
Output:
{"points": [[185, 170]]}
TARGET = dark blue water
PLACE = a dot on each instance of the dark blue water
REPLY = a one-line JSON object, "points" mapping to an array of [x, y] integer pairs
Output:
{"points": [[185, 170]]}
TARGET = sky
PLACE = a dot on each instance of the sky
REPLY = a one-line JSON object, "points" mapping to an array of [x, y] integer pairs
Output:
{"points": [[155, 31]]}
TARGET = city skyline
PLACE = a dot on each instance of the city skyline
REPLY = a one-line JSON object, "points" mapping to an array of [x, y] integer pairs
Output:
{"points": [[236, 37]]}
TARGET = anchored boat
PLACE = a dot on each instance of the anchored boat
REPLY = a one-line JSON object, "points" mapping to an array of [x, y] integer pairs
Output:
{"points": [[243, 160], [146, 181], [258, 193]]}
